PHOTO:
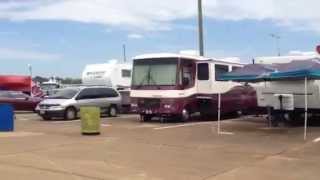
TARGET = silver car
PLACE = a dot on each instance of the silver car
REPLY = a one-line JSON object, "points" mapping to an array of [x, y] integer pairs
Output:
{"points": [[66, 102]]}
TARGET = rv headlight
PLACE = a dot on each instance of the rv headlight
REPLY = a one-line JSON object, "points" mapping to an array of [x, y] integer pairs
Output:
{"points": [[167, 106], [134, 105]]}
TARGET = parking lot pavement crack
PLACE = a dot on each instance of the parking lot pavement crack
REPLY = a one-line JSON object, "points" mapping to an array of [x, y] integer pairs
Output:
{"points": [[53, 171], [259, 160], [220, 173], [56, 165], [40, 149]]}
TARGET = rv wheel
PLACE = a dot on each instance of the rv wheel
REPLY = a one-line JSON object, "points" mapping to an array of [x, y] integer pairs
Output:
{"points": [[275, 120], [145, 118], [185, 115]]}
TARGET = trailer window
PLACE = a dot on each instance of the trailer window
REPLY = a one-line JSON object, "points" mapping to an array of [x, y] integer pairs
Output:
{"points": [[235, 68], [126, 73], [203, 71]]}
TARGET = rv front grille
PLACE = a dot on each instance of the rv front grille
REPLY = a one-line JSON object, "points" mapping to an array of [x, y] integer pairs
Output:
{"points": [[149, 103]]}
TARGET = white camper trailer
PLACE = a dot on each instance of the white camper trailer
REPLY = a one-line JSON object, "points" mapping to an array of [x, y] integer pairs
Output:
{"points": [[288, 96], [110, 74]]}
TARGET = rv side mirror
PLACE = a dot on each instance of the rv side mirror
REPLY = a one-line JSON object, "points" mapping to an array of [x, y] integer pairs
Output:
{"points": [[185, 81]]}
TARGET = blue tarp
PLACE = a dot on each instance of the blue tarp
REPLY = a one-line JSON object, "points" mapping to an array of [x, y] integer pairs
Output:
{"points": [[309, 68]]}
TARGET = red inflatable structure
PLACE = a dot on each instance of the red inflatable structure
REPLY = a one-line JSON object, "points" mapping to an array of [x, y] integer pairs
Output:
{"points": [[19, 83], [15, 83]]}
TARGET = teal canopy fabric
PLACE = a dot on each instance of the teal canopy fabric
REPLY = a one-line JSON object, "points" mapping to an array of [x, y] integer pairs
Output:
{"points": [[297, 70], [249, 73], [309, 68]]}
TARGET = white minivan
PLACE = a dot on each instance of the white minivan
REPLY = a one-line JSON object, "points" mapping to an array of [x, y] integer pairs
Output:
{"points": [[66, 103]]}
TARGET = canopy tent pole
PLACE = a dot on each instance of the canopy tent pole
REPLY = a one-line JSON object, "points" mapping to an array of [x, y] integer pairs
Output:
{"points": [[219, 113], [305, 107], [268, 108]]}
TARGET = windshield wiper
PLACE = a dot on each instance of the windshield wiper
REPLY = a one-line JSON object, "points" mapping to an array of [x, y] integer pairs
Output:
{"points": [[152, 79]]}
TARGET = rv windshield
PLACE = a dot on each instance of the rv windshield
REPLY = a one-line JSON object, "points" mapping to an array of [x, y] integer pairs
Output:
{"points": [[155, 72]]}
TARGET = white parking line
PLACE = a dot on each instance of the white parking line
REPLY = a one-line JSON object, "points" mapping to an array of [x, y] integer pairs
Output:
{"points": [[23, 119], [316, 140], [106, 125], [226, 133], [184, 125], [19, 134], [63, 122]]}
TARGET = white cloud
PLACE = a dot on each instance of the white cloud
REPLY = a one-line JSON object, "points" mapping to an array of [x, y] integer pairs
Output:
{"points": [[14, 54], [135, 36], [158, 15]]}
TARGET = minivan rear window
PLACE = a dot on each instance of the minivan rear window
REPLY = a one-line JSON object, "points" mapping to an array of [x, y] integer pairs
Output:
{"points": [[64, 94], [108, 92]]}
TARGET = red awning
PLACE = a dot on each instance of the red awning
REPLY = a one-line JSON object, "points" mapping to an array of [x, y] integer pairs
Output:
{"points": [[15, 83]]}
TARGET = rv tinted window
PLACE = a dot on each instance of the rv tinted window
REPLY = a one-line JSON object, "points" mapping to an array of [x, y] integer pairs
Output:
{"points": [[126, 73], [203, 71], [220, 69]]}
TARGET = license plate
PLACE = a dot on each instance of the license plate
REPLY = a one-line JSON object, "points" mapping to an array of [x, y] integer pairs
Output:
{"points": [[42, 112]]}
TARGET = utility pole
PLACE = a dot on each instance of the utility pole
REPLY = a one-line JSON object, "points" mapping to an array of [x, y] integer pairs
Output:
{"points": [[124, 53], [277, 38], [200, 23]]}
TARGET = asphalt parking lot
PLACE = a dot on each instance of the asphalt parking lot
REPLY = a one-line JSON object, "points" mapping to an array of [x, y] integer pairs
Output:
{"points": [[128, 149]]}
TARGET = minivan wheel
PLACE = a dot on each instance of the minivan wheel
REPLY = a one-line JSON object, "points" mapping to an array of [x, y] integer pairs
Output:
{"points": [[70, 114], [113, 111], [46, 118]]}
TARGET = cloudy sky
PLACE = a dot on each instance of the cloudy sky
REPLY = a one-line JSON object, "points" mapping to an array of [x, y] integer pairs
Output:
{"points": [[59, 37]]}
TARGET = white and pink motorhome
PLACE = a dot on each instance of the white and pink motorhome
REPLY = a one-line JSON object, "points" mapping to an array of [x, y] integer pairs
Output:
{"points": [[179, 85]]}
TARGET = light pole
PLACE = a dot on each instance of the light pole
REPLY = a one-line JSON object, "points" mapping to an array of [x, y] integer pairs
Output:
{"points": [[200, 28], [30, 70], [30, 73], [277, 38], [124, 53]]}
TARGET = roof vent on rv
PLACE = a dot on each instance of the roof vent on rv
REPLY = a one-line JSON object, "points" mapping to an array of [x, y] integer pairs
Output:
{"points": [[113, 61]]}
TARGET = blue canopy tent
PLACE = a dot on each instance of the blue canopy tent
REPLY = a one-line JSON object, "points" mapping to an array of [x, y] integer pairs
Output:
{"points": [[249, 73], [295, 70]]}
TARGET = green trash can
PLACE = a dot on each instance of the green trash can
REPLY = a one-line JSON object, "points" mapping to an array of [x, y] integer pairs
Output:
{"points": [[90, 120]]}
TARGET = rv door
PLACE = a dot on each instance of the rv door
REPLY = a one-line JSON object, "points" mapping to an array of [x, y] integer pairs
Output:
{"points": [[203, 78]]}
